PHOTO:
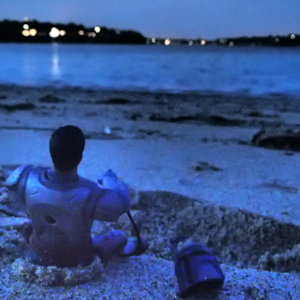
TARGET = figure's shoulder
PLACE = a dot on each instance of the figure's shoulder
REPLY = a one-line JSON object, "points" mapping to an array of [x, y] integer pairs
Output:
{"points": [[89, 183], [15, 175]]}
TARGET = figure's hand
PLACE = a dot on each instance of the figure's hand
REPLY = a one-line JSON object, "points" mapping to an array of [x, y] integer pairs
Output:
{"points": [[110, 180], [108, 176]]}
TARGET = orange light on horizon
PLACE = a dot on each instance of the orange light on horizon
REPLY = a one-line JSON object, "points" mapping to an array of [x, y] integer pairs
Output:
{"points": [[62, 32], [203, 43], [81, 32], [167, 42], [33, 32], [25, 33]]}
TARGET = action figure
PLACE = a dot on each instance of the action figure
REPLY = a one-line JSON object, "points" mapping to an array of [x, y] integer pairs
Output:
{"points": [[63, 205]]}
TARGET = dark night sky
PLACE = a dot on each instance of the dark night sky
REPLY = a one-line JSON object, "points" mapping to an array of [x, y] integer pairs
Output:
{"points": [[167, 18]]}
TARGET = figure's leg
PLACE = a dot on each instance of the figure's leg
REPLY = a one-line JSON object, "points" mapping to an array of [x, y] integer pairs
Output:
{"points": [[35, 259], [26, 231], [132, 246], [110, 244], [29, 253], [115, 243]]}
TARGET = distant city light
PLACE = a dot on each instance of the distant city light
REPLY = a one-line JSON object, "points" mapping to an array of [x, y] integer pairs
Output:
{"points": [[92, 34], [276, 40], [97, 29], [62, 32], [26, 26], [293, 36], [25, 33], [191, 43], [81, 32], [222, 41], [26, 19], [167, 42], [153, 40], [231, 44], [203, 42], [33, 32], [54, 33]]}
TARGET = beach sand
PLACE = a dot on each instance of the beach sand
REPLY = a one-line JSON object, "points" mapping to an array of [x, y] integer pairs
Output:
{"points": [[192, 169]]}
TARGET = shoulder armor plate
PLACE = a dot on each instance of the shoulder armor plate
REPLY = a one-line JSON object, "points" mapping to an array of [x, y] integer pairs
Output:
{"points": [[15, 176]]}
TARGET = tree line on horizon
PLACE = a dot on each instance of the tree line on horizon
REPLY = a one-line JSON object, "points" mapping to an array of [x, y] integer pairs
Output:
{"points": [[15, 31], [39, 32]]}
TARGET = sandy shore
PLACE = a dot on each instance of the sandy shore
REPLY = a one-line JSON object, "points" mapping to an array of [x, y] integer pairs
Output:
{"points": [[196, 148]]}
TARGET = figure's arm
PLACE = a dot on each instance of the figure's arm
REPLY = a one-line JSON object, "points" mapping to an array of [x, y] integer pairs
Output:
{"points": [[12, 183], [13, 179], [114, 199]]}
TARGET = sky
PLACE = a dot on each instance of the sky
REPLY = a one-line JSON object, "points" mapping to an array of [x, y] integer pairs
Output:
{"points": [[207, 19]]}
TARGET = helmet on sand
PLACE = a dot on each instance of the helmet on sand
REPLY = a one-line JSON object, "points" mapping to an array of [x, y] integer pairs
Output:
{"points": [[197, 270]]}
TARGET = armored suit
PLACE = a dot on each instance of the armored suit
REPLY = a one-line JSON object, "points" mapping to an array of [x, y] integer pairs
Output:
{"points": [[62, 214]]}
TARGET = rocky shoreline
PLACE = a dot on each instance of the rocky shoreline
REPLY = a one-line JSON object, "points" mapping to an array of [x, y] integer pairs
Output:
{"points": [[254, 268]]}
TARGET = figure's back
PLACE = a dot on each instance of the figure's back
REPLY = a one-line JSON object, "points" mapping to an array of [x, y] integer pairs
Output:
{"points": [[60, 213]]}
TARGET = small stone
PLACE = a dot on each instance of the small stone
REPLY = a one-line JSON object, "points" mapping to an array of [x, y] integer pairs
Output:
{"points": [[107, 130]]}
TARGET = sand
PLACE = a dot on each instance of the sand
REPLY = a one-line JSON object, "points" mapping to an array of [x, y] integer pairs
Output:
{"points": [[193, 150]]}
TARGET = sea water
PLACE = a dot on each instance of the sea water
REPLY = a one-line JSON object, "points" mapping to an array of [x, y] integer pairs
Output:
{"points": [[251, 70]]}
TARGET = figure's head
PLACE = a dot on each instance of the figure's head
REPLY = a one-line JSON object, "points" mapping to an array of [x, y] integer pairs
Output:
{"points": [[66, 147]]}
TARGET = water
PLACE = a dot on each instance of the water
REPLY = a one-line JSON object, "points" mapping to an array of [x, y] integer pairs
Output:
{"points": [[153, 68]]}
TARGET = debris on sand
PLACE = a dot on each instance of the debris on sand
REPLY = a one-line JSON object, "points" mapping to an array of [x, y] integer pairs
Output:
{"points": [[51, 99], [204, 166], [116, 101], [223, 121], [17, 106], [215, 120], [277, 139]]}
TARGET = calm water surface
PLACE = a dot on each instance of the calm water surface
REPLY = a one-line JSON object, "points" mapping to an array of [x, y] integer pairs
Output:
{"points": [[153, 68]]}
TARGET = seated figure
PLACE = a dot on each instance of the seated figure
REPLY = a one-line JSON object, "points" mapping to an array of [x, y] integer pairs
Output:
{"points": [[63, 205]]}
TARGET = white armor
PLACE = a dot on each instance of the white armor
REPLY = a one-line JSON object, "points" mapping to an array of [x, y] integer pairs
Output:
{"points": [[61, 214]]}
